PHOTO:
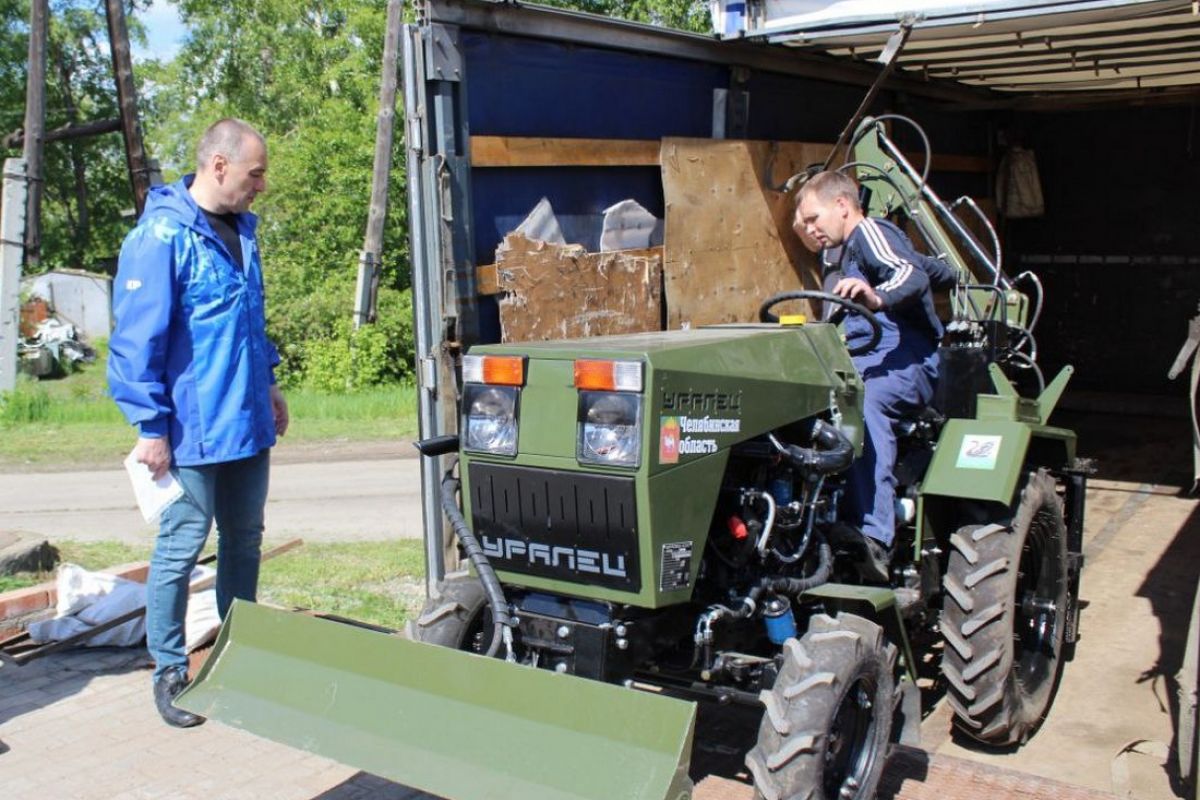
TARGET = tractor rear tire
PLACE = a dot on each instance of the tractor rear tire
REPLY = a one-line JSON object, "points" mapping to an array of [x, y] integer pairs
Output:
{"points": [[828, 719], [458, 617], [1004, 617]]}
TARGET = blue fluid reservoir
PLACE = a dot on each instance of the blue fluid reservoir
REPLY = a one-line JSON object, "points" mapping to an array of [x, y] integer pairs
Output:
{"points": [[781, 622]]}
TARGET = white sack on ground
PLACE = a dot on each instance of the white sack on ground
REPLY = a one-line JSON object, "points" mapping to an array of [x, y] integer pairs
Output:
{"points": [[87, 599]]}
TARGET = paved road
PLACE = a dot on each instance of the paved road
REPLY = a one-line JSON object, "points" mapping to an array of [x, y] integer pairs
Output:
{"points": [[338, 500]]}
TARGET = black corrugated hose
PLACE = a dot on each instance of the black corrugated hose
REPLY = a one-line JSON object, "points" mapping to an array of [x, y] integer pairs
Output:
{"points": [[832, 451], [798, 586], [487, 575]]}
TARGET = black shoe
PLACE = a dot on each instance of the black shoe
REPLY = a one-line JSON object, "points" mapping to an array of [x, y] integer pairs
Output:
{"points": [[172, 682], [872, 557], [877, 566]]}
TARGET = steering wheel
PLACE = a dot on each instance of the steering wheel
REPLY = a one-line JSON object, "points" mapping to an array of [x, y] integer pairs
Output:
{"points": [[846, 305]]}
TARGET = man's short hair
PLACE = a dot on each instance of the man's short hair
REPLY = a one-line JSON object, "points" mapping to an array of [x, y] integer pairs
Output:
{"points": [[828, 186], [226, 137]]}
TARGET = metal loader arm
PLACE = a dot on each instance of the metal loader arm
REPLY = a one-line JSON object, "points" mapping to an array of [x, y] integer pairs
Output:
{"points": [[896, 184]]}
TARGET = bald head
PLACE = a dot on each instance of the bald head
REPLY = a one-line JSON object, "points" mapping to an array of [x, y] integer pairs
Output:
{"points": [[231, 168], [227, 137]]}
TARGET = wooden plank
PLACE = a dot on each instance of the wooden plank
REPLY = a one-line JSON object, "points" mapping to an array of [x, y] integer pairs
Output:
{"points": [[516, 151], [728, 238], [553, 291], [521, 151]]}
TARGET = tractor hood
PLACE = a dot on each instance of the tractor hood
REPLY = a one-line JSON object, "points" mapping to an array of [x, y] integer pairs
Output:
{"points": [[734, 382]]}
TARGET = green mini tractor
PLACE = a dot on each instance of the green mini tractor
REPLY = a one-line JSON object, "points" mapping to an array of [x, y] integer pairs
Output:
{"points": [[653, 519]]}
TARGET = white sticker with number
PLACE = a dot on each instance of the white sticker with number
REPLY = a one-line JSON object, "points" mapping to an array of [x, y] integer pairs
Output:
{"points": [[978, 452]]}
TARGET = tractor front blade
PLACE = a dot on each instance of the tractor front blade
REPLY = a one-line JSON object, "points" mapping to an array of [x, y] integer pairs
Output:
{"points": [[447, 722]]}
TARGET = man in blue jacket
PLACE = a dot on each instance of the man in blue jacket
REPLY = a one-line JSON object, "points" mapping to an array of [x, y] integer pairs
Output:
{"points": [[880, 270], [191, 367]]}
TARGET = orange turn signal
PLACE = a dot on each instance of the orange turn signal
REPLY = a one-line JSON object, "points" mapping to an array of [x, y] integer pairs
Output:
{"points": [[610, 376], [500, 370]]}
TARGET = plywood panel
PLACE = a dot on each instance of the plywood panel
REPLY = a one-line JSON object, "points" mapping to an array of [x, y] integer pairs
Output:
{"points": [[551, 291], [728, 238]]}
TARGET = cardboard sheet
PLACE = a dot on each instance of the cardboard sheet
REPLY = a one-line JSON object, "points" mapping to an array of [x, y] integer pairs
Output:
{"points": [[554, 291]]}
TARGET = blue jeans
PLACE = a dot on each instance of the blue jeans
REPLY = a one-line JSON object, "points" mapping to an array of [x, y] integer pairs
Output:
{"points": [[234, 494]]}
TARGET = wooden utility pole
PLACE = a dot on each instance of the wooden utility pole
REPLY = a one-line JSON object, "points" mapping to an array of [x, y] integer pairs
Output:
{"points": [[135, 149], [35, 125], [12, 223], [370, 259]]}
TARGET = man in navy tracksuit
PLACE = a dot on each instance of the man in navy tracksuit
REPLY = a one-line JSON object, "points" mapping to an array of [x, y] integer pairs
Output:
{"points": [[881, 271]]}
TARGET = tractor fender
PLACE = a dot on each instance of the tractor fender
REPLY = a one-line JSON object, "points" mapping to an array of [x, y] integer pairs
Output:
{"points": [[986, 459], [878, 604]]}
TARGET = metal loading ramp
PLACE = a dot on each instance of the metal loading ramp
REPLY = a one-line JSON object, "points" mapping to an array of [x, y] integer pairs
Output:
{"points": [[914, 774]]}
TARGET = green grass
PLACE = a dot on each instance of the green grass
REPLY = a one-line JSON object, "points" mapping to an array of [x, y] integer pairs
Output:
{"points": [[378, 582], [72, 421]]}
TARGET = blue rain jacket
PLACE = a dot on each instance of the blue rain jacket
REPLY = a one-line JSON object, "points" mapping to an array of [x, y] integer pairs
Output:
{"points": [[189, 357]]}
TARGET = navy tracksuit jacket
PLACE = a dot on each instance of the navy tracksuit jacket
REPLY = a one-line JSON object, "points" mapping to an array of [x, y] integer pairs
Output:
{"points": [[899, 373]]}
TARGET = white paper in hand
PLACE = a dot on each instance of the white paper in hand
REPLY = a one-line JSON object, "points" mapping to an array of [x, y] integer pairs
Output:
{"points": [[152, 495]]}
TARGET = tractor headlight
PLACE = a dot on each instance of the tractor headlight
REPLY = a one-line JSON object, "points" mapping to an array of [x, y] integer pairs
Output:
{"points": [[610, 428], [491, 419]]}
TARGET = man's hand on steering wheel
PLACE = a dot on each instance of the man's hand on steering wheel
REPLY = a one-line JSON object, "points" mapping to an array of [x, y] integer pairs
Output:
{"points": [[846, 304], [860, 291]]}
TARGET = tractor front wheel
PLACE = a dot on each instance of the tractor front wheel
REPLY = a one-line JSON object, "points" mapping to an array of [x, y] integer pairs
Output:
{"points": [[458, 617], [828, 718], [1004, 617]]}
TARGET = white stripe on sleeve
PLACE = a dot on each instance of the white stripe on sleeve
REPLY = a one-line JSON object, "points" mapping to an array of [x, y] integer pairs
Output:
{"points": [[884, 252]]}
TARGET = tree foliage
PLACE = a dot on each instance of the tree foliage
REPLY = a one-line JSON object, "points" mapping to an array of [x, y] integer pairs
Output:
{"points": [[306, 74], [685, 15], [87, 191]]}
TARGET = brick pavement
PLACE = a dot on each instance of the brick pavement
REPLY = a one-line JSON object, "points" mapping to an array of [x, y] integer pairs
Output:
{"points": [[81, 725]]}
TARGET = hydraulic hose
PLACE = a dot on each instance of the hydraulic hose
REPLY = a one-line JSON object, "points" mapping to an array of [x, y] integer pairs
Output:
{"points": [[487, 575], [707, 621], [831, 451], [797, 586]]}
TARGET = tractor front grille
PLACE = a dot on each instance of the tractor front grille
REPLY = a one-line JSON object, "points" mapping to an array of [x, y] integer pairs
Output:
{"points": [[570, 526]]}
